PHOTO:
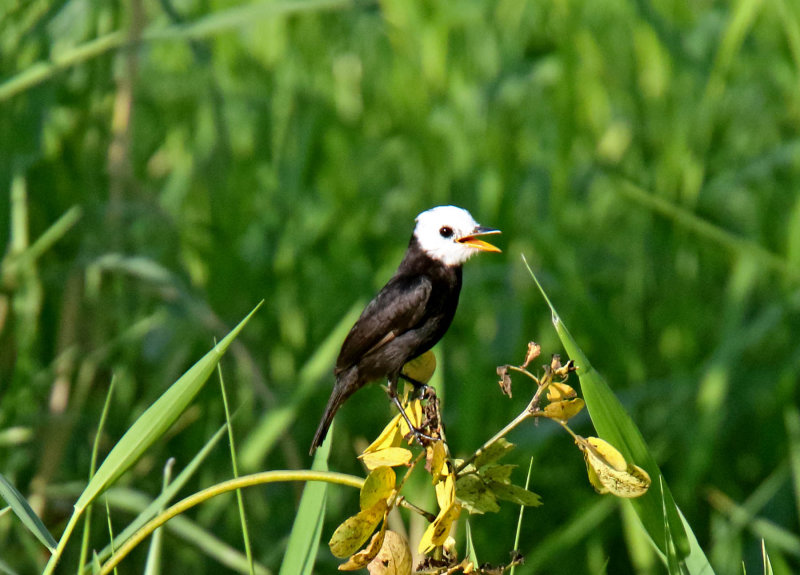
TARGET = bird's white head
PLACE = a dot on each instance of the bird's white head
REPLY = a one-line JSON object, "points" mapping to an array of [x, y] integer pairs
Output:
{"points": [[450, 235]]}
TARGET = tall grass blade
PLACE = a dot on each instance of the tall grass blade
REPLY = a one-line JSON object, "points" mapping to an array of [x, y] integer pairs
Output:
{"points": [[767, 564], [519, 520], [239, 496], [26, 514], [301, 551], [153, 564], [152, 424], [110, 527], [145, 431], [470, 552], [87, 522], [615, 426]]}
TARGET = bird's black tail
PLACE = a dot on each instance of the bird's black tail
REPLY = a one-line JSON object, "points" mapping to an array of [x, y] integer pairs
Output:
{"points": [[341, 391]]}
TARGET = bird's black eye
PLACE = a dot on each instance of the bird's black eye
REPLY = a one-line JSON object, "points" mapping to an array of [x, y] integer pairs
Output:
{"points": [[446, 232]]}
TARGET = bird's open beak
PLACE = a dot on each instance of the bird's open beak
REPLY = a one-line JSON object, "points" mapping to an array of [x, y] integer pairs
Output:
{"points": [[473, 240]]}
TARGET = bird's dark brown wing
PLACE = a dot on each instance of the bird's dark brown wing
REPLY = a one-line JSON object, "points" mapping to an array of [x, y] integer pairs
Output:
{"points": [[398, 307]]}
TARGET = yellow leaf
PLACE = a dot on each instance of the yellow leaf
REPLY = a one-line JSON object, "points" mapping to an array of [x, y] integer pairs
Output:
{"points": [[355, 531], [420, 369], [436, 533], [446, 491], [389, 437], [609, 472], [362, 558], [436, 457], [557, 391], [563, 410], [394, 557], [390, 457], [595, 480], [607, 452], [378, 486]]}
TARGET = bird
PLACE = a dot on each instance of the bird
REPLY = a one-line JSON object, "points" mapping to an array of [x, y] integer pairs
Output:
{"points": [[412, 312]]}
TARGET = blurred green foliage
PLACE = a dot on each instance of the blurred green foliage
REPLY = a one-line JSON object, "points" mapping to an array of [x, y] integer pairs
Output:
{"points": [[645, 156]]}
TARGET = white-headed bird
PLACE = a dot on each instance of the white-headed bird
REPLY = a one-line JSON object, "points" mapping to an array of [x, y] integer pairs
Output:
{"points": [[413, 310]]}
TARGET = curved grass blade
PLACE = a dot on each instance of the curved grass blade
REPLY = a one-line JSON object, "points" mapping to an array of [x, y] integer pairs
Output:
{"points": [[301, 551], [614, 425], [150, 510], [20, 506]]}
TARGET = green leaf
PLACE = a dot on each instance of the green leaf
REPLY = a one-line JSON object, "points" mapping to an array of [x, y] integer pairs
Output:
{"points": [[615, 426], [493, 453], [155, 421], [301, 551], [515, 494], [475, 496], [498, 473], [470, 553], [20, 506], [673, 561]]}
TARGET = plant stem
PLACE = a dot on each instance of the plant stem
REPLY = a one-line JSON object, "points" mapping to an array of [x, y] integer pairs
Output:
{"points": [[224, 487], [403, 502], [530, 411]]}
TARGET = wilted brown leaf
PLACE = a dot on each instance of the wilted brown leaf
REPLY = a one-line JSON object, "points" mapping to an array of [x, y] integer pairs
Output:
{"points": [[394, 557], [534, 349], [505, 379]]}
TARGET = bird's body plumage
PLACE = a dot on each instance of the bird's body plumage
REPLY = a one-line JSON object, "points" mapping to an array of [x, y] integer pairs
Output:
{"points": [[405, 319]]}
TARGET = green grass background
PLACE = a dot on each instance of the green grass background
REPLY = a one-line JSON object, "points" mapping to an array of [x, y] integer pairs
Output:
{"points": [[643, 155]]}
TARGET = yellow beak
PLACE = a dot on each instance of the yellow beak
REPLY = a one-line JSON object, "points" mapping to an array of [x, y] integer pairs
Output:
{"points": [[473, 240]]}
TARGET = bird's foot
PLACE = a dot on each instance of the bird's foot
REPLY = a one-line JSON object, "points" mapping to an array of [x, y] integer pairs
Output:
{"points": [[419, 434], [422, 438]]}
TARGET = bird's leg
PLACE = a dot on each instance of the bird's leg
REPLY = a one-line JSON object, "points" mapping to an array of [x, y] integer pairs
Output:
{"points": [[420, 388], [418, 433]]}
